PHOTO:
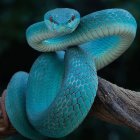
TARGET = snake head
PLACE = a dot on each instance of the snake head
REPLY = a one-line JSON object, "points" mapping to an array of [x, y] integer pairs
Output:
{"points": [[62, 20]]}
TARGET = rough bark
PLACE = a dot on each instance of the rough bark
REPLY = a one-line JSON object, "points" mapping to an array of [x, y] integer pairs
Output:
{"points": [[113, 104], [117, 105]]}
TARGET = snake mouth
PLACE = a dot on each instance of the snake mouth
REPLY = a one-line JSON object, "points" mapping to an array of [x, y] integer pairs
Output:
{"points": [[62, 30]]}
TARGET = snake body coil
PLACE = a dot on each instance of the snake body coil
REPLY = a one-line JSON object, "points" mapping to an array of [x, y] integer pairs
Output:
{"points": [[55, 97]]}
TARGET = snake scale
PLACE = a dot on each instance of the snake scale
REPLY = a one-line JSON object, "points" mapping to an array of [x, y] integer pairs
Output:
{"points": [[57, 94]]}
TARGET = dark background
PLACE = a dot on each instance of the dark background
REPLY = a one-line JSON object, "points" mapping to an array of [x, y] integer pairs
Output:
{"points": [[16, 55]]}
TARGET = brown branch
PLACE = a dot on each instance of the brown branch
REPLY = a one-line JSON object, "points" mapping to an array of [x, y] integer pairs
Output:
{"points": [[113, 104], [5, 125], [117, 105]]}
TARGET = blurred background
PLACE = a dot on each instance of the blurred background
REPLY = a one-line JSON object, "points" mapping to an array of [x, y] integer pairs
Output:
{"points": [[16, 55]]}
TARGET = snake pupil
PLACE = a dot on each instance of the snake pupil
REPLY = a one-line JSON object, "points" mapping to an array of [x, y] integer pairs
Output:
{"points": [[72, 18], [51, 19]]}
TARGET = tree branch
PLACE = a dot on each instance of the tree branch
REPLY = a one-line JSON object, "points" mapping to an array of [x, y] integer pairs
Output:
{"points": [[117, 105], [113, 104], [5, 125]]}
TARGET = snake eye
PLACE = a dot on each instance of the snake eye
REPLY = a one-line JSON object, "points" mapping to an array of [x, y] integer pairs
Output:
{"points": [[72, 18], [51, 19]]}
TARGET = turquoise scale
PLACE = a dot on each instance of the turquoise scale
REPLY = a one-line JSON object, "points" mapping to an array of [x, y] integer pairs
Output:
{"points": [[57, 94]]}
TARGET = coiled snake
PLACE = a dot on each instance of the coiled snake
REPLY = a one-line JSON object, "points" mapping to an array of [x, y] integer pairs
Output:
{"points": [[55, 97]]}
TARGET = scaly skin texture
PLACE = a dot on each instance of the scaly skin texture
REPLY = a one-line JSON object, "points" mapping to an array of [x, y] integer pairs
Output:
{"points": [[61, 87], [73, 98], [111, 32]]}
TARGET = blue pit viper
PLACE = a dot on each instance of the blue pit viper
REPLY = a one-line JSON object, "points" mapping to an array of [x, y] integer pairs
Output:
{"points": [[57, 94]]}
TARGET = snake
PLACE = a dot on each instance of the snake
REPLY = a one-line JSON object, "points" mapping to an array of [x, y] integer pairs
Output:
{"points": [[54, 98]]}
